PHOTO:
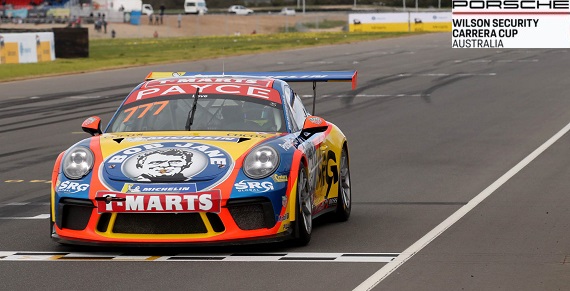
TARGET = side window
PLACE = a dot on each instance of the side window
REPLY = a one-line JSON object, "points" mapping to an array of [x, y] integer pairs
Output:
{"points": [[299, 112], [287, 93]]}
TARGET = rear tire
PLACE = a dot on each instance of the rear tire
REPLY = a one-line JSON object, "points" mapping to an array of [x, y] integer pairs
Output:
{"points": [[303, 209], [344, 200]]}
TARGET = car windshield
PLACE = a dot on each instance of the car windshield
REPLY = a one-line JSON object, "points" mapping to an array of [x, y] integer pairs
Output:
{"points": [[213, 112]]}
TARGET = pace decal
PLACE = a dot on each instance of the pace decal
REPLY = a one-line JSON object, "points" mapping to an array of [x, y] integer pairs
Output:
{"points": [[205, 89], [69, 187], [166, 162], [253, 186]]}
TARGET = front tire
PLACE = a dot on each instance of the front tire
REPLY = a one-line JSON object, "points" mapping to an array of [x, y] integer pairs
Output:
{"points": [[304, 210]]}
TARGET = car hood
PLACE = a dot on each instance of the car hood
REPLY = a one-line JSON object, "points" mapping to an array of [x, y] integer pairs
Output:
{"points": [[173, 157]]}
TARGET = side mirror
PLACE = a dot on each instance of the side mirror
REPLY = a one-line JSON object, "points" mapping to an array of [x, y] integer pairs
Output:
{"points": [[92, 125], [312, 125]]}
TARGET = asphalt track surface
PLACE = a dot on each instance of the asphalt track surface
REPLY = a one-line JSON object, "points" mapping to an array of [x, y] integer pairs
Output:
{"points": [[430, 128]]}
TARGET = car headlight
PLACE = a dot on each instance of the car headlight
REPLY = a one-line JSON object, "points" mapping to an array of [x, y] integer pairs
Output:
{"points": [[261, 162], [77, 162]]}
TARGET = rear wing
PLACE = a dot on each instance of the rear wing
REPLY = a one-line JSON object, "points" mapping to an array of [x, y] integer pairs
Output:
{"points": [[311, 76], [308, 76]]}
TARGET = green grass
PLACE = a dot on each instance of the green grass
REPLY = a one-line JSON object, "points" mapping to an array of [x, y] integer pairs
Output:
{"points": [[119, 53]]}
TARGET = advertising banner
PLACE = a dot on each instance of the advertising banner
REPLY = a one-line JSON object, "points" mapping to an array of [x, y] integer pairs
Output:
{"points": [[430, 21], [8, 51], [400, 22], [16, 13], [379, 22], [29, 47], [511, 24], [59, 12]]}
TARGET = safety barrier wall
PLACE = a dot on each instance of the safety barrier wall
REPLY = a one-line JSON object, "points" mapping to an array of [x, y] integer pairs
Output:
{"points": [[26, 47], [400, 22]]}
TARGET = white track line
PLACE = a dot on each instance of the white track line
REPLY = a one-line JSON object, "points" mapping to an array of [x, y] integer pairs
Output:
{"points": [[387, 269], [237, 257]]}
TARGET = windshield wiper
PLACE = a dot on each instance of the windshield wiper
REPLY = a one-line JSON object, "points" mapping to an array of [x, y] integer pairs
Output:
{"points": [[190, 119]]}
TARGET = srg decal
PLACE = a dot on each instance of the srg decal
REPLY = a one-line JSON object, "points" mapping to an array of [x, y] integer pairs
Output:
{"points": [[69, 187], [253, 186]]}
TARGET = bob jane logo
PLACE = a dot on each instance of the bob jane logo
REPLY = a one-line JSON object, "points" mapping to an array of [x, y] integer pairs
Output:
{"points": [[167, 162]]}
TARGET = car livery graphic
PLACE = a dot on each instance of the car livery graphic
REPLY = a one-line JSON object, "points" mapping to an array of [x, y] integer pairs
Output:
{"points": [[204, 158]]}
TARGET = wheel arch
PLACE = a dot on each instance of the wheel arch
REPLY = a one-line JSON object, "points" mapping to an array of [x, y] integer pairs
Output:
{"points": [[299, 159]]}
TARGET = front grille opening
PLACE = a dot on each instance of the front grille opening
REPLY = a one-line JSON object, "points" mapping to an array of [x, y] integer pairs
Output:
{"points": [[103, 223], [74, 213], [215, 221], [250, 214], [159, 223]]}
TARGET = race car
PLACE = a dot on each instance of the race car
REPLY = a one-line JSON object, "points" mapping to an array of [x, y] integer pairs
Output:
{"points": [[194, 158]]}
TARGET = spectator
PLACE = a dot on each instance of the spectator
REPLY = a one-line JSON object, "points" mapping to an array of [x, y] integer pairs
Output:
{"points": [[113, 33], [162, 8], [104, 24], [98, 25], [150, 19], [155, 34], [156, 20], [179, 20]]}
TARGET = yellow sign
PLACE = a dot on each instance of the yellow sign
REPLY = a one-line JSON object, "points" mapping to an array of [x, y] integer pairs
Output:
{"points": [[10, 53], [431, 26], [380, 27], [44, 51]]}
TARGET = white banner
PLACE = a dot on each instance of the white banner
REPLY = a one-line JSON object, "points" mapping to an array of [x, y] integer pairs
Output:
{"points": [[28, 47], [511, 24]]}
